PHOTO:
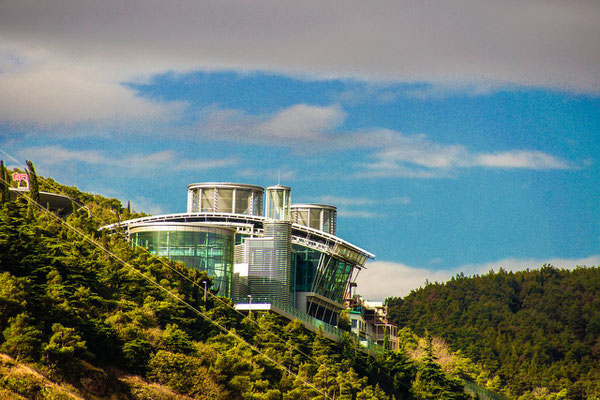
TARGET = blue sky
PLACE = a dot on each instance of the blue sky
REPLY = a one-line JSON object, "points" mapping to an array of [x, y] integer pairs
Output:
{"points": [[451, 138]]}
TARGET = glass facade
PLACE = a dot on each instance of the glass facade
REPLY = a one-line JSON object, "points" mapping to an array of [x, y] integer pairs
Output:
{"points": [[332, 278], [278, 203], [206, 248], [305, 261]]}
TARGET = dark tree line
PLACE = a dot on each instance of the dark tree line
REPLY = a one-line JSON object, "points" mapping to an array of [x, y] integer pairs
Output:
{"points": [[537, 330]]}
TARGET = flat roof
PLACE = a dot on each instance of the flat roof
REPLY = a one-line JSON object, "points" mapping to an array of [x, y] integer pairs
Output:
{"points": [[313, 205], [228, 185], [57, 202]]}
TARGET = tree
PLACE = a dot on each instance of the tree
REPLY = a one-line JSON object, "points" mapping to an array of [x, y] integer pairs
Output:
{"points": [[64, 346], [185, 374], [12, 296], [344, 322], [176, 341], [22, 339], [34, 187], [4, 183], [137, 354]]}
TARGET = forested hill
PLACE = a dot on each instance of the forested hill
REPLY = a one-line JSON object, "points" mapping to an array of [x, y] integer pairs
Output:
{"points": [[538, 331], [86, 319]]}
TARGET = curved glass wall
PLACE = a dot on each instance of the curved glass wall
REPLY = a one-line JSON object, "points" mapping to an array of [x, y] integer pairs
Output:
{"points": [[206, 248]]}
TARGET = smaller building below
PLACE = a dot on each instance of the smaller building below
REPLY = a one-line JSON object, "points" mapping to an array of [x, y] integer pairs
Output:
{"points": [[369, 322]]}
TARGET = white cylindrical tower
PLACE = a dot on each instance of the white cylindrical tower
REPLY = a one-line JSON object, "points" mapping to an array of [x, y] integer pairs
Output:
{"points": [[279, 200], [225, 197], [318, 216]]}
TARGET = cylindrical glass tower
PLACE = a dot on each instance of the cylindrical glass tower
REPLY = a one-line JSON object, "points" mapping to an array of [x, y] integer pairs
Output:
{"points": [[224, 197], [278, 203], [319, 216]]}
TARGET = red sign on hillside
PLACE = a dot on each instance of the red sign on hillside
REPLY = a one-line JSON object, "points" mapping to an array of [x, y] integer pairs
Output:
{"points": [[18, 177]]}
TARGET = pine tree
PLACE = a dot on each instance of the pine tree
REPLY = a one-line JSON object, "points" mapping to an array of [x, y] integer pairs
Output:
{"points": [[34, 187], [4, 183], [22, 339]]}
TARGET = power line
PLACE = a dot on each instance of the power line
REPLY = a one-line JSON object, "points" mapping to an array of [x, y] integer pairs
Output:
{"points": [[57, 187], [213, 296], [171, 294]]}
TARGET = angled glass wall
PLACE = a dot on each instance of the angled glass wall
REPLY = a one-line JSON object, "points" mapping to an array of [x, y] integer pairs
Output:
{"points": [[333, 278], [206, 248]]}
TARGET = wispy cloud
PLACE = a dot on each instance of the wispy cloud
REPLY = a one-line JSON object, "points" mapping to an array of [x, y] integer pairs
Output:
{"points": [[52, 156], [357, 214], [300, 123], [147, 205], [521, 159], [272, 174], [345, 201], [313, 129], [347, 206], [384, 279]]}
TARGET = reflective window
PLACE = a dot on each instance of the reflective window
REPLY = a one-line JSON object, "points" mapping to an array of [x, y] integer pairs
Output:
{"points": [[315, 218], [207, 251], [302, 216], [242, 198], [225, 197], [333, 278], [208, 200], [278, 204], [306, 262], [327, 221], [257, 204]]}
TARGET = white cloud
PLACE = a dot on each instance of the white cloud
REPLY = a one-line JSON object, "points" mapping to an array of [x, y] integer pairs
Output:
{"points": [[418, 157], [64, 61], [346, 201], [346, 205], [56, 155], [309, 129], [383, 279], [521, 159], [302, 121], [147, 205], [51, 156], [357, 214], [47, 90], [297, 124], [273, 174]]}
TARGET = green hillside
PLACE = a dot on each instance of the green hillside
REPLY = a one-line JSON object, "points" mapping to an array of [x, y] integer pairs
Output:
{"points": [[537, 332], [86, 314]]}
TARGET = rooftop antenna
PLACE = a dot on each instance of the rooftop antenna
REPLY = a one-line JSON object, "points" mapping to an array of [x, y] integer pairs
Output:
{"points": [[278, 176]]}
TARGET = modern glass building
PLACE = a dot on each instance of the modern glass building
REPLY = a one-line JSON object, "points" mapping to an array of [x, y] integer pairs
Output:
{"points": [[289, 256]]}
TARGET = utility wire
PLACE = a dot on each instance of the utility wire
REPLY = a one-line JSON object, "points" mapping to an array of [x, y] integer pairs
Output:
{"points": [[163, 262], [171, 294]]}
